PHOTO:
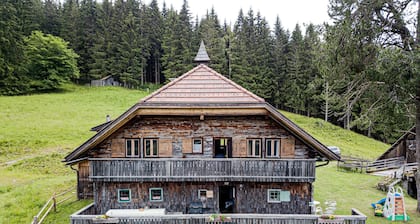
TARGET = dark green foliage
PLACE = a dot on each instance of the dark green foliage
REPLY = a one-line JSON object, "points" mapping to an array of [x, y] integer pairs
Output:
{"points": [[358, 71], [49, 62], [178, 49]]}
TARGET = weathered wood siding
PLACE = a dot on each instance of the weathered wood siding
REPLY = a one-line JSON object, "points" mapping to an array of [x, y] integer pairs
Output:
{"points": [[189, 169], [405, 147], [84, 185], [176, 134], [249, 197]]}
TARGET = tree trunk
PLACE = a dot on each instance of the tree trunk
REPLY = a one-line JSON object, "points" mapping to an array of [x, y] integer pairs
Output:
{"points": [[418, 142], [416, 49]]}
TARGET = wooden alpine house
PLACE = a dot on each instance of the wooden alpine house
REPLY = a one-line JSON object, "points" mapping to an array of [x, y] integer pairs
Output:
{"points": [[201, 144]]}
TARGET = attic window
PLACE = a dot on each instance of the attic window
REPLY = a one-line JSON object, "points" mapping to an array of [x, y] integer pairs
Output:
{"points": [[272, 147], [132, 148], [150, 147], [254, 147]]}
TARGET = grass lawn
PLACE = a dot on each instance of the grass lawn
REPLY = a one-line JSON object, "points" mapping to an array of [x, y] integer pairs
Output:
{"points": [[354, 190], [37, 131]]}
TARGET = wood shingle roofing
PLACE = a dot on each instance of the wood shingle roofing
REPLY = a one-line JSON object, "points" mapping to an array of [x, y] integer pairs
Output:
{"points": [[202, 85]]}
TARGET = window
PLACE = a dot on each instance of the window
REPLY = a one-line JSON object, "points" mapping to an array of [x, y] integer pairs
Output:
{"points": [[197, 145], [124, 195], [254, 147], [132, 148], [272, 147], [150, 147], [156, 194], [202, 193], [277, 196]]}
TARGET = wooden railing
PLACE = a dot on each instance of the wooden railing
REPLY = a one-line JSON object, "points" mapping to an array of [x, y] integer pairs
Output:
{"points": [[52, 203], [356, 217], [183, 169], [385, 164]]}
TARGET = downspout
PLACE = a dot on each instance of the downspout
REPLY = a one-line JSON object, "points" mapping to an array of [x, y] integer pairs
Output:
{"points": [[78, 185], [324, 164]]}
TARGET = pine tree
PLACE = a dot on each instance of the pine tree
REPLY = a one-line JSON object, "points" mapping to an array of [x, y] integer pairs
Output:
{"points": [[51, 23], [281, 41], [154, 34], [101, 50], [210, 32], [177, 52], [11, 53], [70, 29], [87, 24]]}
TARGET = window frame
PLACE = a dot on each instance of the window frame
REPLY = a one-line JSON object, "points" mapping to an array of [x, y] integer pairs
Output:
{"points": [[119, 196], [283, 196], [151, 147], [132, 147], [201, 146], [272, 140], [252, 150], [200, 191], [150, 194]]}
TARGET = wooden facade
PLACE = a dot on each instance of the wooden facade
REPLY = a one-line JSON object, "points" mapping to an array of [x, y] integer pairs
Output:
{"points": [[405, 147], [200, 144]]}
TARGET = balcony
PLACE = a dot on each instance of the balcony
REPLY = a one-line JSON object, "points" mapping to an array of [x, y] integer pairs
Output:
{"points": [[84, 216], [183, 169]]}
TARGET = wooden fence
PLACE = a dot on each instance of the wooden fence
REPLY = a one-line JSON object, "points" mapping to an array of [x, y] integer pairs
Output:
{"points": [[52, 203], [186, 169], [385, 164], [360, 165], [356, 217]]}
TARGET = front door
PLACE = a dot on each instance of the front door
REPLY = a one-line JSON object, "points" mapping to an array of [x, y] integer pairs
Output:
{"points": [[223, 147], [226, 199]]}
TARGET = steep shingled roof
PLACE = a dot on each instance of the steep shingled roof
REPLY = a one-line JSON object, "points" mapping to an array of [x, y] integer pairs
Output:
{"points": [[202, 85]]}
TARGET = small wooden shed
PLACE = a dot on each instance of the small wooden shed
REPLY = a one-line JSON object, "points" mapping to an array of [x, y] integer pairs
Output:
{"points": [[105, 81]]}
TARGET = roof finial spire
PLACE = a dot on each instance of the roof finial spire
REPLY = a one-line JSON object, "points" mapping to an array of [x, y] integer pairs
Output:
{"points": [[202, 57]]}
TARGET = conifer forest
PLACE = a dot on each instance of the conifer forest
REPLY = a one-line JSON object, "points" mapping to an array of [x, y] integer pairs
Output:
{"points": [[359, 71]]}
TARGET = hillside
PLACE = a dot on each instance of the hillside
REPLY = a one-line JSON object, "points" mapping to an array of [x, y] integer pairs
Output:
{"points": [[37, 131]]}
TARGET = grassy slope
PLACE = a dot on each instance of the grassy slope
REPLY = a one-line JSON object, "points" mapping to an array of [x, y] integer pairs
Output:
{"points": [[39, 130], [350, 143]]}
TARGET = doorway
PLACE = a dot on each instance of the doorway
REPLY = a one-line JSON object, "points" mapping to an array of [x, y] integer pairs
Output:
{"points": [[226, 199], [222, 148]]}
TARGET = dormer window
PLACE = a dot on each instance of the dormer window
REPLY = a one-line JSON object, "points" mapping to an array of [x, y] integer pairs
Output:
{"points": [[132, 148]]}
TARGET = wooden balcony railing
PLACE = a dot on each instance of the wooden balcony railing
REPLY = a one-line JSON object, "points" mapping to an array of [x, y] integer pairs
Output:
{"points": [[183, 169], [356, 217]]}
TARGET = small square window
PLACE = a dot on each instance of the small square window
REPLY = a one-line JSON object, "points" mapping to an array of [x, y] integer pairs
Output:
{"points": [[197, 145], [156, 194], [124, 195], [277, 196], [202, 193]]}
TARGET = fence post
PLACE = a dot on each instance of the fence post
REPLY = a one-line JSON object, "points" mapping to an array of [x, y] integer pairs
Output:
{"points": [[54, 203]]}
